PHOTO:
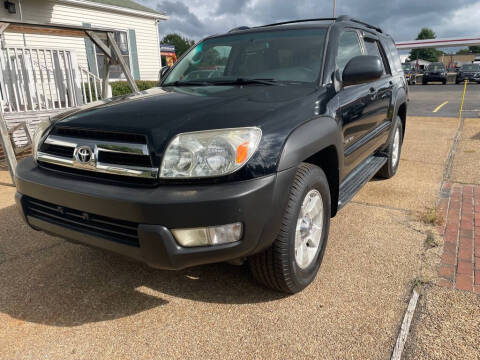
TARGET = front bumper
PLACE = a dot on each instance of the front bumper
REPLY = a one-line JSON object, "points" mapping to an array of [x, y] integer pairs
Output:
{"points": [[435, 77], [257, 203], [461, 78]]}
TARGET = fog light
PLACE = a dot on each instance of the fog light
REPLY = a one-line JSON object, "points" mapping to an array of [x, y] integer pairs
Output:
{"points": [[209, 236]]}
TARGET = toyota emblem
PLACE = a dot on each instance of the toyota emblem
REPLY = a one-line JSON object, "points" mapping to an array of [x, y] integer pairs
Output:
{"points": [[83, 154]]}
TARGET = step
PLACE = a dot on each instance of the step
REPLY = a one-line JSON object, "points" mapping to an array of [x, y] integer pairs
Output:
{"points": [[359, 177]]}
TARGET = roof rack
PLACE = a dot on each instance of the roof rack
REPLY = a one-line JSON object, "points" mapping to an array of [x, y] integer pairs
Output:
{"points": [[299, 21], [348, 18], [240, 28], [340, 18]]}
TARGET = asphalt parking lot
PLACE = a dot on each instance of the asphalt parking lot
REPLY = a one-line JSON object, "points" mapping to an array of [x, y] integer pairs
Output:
{"points": [[61, 300], [444, 100]]}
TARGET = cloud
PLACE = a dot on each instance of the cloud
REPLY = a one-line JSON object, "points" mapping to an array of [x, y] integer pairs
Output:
{"points": [[231, 6], [403, 19]]}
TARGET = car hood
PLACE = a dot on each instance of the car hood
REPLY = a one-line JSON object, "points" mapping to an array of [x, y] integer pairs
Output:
{"points": [[161, 113]]}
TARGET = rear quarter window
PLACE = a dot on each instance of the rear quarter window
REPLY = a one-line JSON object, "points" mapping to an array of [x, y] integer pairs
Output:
{"points": [[393, 58]]}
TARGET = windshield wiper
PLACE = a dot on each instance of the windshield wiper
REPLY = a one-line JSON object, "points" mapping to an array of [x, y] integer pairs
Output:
{"points": [[238, 81], [188, 83], [245, 81]]}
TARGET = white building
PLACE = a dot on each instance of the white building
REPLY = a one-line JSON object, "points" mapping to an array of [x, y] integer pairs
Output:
{"points": [[136, 25], [46, 72]]}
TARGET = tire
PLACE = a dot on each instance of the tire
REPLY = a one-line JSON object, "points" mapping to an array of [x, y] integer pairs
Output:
{"points": [[277, 267], [424, 82], [444, 82], [391, 167]]}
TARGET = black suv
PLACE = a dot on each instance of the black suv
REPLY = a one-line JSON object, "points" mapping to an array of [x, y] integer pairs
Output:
{"points": [[247, 159], [470, 72], [410, 73], [435, 72]]}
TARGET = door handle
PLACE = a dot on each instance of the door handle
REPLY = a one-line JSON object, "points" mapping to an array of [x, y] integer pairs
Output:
{"points": [[372, 90], [390, 82]]}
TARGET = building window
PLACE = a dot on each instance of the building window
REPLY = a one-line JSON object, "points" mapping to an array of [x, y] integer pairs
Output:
{"points": [[121, 37]]}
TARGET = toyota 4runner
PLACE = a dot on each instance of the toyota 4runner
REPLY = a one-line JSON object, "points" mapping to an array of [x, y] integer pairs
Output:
{"points": [[250, 144]]}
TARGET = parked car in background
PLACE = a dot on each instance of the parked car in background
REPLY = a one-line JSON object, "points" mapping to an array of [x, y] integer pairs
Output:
{"points": [[245, 164], [476, 60], [410, 73], [470, 72], [435, 72]]}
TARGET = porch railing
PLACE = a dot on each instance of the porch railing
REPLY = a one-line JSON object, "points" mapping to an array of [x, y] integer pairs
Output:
{"points": [[40, 79]]}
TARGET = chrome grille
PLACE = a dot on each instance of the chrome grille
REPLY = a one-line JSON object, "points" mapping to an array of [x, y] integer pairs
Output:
{"points": [[114, 155]]}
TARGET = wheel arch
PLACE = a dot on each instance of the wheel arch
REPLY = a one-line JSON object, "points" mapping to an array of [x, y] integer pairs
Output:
{"points": [[316, 142]]}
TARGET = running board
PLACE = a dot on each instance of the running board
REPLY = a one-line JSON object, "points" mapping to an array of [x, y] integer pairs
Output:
{"points": [[359, 177]]}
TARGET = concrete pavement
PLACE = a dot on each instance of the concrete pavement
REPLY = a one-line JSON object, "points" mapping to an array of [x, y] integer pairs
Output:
{"points": [[60, 300]]}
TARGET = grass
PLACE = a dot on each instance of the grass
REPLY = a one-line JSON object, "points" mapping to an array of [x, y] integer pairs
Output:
{"points": [[418, 283], [430, 241], [430, 217]]}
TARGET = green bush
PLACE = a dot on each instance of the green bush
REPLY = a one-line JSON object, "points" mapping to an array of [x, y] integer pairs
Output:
{"points": [[122, 88]]}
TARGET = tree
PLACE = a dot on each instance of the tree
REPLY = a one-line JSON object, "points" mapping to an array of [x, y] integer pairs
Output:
{"points": [[475, 49], [181, 44], [426, 54]]}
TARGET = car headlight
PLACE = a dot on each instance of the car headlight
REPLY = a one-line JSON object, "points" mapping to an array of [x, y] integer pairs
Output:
{"points": [[209, 153], [40, 131]]}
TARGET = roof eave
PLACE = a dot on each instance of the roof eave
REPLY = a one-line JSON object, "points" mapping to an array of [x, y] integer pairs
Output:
{"points": [[118, 9]]}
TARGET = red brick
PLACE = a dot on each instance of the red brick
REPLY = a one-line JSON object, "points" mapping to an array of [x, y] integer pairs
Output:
{"points": [[465, 254], [464, 282], [450, 238], [448, 259], [449, 247], [455, 207], [465, 233], [477, 263], [446, 271], [477, 277], [464, 243], [464, 267], [477, 246], [477, 219], [445, 283], [476, 288]]}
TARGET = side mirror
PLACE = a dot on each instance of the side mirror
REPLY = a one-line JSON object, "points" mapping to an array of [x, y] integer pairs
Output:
{"points": [[362, 69], [163, 72]]}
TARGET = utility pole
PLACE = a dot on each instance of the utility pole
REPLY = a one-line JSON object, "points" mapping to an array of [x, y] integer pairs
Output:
{"points": [[334, 7]]}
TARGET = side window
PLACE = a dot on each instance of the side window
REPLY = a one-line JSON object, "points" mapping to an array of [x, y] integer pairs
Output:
{"points": [[395, 62], [372, 48], [348, 48]]}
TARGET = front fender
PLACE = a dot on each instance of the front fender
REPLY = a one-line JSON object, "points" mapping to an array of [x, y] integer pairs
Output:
{"points": [[308, 139]]}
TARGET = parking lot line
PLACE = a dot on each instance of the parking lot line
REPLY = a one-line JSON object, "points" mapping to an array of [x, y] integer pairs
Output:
{"points": [[440, 106]]}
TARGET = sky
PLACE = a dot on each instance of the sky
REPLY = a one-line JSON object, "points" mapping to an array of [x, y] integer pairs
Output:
{"points": [[402, 19]]}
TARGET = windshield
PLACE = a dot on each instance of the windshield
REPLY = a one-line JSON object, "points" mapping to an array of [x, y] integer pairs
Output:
{"points": [[286, 55], [436, 67], [407, 67], [470, 67]]}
